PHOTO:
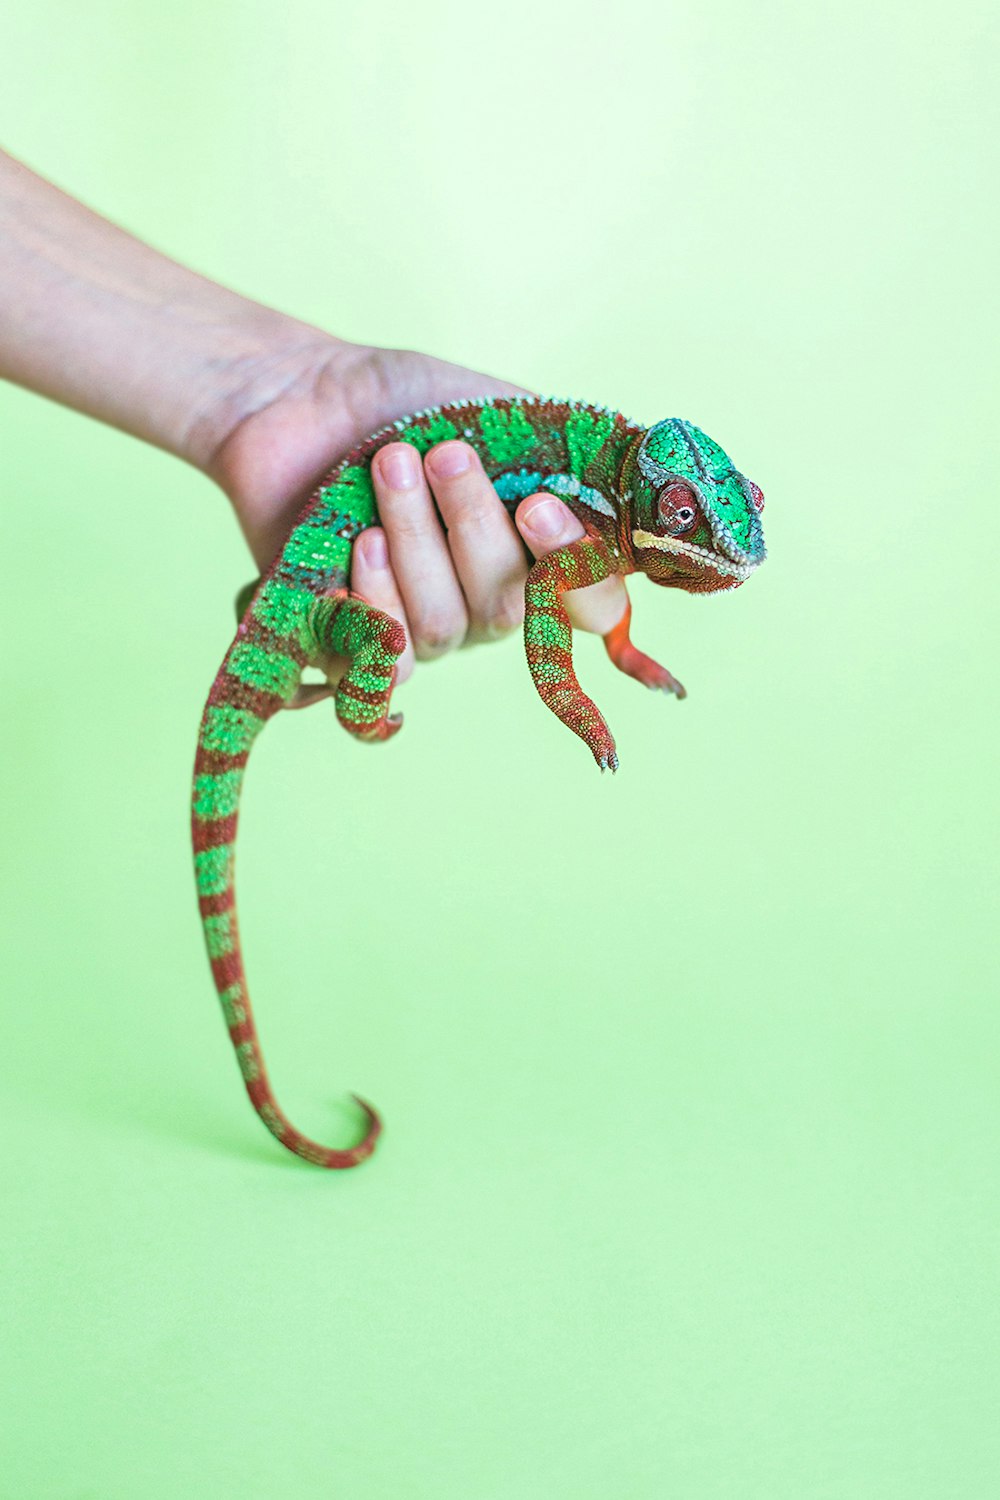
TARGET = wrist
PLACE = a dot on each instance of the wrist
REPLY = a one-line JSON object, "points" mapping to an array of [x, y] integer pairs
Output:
{"points": [[250, 357], [279, 408], [100, 321]]}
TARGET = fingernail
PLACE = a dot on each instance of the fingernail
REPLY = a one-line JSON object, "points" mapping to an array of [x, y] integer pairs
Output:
{"points": [[376, 551], [545, 519], [399, 467], [449, 460]]}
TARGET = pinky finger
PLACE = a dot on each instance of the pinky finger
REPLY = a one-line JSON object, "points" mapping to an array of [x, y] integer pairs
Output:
{"points": [[373, 579]]}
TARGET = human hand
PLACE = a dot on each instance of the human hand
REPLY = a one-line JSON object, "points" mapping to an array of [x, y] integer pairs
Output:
{"points": [[447, 561]]}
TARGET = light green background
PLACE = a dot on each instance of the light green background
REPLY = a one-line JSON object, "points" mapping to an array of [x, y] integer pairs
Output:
{"points": [[688, 1186]]}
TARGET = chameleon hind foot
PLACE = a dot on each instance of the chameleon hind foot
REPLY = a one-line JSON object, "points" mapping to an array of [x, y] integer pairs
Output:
{"points": [[343, 624], [634, 663]]}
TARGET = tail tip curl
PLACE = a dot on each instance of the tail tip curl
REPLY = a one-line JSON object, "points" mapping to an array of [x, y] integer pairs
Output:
{"points": [[365, 1147]]}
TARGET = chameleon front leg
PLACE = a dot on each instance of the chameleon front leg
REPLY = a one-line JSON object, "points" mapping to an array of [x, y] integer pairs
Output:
{"points": [[637, 664], [344, 624], [548, 639]]}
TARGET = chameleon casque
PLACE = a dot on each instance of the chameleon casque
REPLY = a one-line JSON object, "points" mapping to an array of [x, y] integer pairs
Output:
{"points": [[665, 501]]}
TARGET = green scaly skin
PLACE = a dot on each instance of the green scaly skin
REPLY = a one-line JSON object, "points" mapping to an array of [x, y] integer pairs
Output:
{"points": [[665, 501]]}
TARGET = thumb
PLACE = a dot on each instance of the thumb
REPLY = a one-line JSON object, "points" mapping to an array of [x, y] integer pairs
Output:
{"points": [[546, 524]]}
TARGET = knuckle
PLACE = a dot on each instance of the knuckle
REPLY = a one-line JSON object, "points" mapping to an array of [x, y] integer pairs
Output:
{"points": [[434, 634], [429, 648], [404, 521], [471, 507], [469, 503], [507, 613]]}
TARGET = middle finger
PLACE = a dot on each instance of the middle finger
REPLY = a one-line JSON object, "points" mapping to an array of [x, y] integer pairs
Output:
{"points": [[485, 548], [418, 552]]}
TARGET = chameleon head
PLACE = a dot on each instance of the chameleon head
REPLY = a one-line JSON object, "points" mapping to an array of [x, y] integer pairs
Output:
{"points": [[695, 517]]}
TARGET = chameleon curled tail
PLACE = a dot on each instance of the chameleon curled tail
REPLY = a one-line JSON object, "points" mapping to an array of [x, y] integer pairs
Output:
{"points": [[259, 677], [665, 501]]}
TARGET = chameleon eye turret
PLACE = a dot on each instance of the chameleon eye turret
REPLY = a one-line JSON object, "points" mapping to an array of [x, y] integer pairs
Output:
{"points": [[678, 507], [664, 501]]}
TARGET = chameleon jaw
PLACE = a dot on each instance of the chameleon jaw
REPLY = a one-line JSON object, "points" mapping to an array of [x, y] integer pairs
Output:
{"points": [[702, 557]]}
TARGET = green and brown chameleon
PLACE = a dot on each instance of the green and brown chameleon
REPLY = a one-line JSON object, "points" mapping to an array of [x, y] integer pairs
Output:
{"points": [[665, 501]]}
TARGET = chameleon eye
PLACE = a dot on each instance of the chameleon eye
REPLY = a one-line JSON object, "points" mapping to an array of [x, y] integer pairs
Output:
{"points": [[757, 496], [678, 508]]}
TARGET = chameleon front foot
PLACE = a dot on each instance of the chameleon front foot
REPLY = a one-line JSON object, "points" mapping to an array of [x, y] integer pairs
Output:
{"points": [[605, 753], [581, 714]]}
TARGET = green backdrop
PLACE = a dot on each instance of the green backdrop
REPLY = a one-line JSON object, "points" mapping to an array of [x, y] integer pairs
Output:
{"points": [[688, 1185]]}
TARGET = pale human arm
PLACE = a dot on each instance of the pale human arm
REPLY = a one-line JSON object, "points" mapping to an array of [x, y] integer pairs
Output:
{"points": [[97, 320]]}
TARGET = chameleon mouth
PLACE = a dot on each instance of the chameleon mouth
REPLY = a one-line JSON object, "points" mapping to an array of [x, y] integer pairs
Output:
{"points": [[703, 557]]}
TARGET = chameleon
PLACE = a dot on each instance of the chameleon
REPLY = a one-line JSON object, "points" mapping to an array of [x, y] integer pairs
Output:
{"points": [[665, 501]]}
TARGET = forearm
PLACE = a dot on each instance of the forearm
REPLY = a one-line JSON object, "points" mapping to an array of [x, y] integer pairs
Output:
{"points": [[99, 321]]}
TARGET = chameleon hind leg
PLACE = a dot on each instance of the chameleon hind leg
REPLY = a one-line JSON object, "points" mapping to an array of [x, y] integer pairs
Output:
{"points": [[548, 640], [343, 624], [634, 663]]}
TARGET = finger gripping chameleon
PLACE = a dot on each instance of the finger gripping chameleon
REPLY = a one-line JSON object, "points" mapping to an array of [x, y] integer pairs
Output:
{"points": [[665, 501]]}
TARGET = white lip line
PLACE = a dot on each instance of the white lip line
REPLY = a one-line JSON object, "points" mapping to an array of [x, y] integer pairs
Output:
{"points": [[700, 555]]}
